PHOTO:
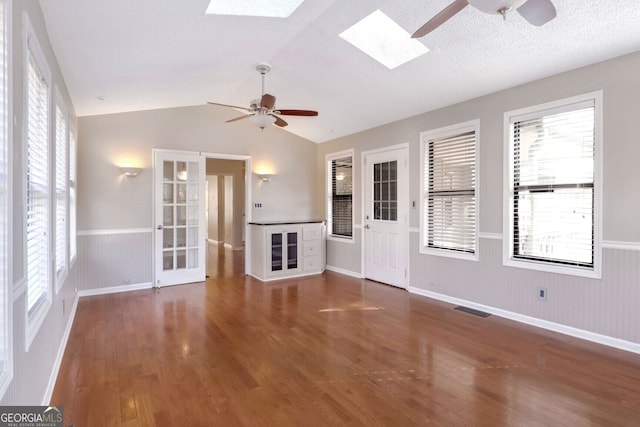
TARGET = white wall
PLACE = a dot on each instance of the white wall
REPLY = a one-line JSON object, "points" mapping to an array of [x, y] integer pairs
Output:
{"points": [[598, 306], [33, 369]]}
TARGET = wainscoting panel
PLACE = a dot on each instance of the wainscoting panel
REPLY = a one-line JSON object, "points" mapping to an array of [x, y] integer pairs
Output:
{"points": [[607, 306], [117, 258]]}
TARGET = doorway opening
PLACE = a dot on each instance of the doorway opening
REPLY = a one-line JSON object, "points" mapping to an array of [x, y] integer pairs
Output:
{"points": [[225, 216]]}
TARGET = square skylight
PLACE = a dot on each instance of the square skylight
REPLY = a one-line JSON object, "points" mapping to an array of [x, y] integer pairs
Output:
{"points": [[384, 40], [266, 8]]}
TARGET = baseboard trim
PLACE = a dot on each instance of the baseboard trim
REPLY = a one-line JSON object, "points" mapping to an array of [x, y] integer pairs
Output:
{"points": [[544, 324], [345, 272], [46, 400], [115, 289]]}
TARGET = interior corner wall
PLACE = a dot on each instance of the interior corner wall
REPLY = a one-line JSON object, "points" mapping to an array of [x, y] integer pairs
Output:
{"points": [[33, 369], [606, 307]]}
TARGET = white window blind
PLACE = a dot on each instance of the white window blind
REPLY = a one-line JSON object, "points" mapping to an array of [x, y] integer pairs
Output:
{"points": [[62, 185], [72, 194], [38, 192], [552, 200], [6, 370], [449, 199], [340, 196]]}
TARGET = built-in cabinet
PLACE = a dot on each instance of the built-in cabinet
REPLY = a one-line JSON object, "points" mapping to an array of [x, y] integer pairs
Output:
{"points": [[287, 249]]}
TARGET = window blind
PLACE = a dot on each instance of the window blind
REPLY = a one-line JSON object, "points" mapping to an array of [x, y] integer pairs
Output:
{"points": [[340, 203], [37, 188], [72, 194], [62, 184], [450, 199], [553, 185]]}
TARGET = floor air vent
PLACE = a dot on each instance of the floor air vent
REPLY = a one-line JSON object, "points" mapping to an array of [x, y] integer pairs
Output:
{"points": [[472, 311]]}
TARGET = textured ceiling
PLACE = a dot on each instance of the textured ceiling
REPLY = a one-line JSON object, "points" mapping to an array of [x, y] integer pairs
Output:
{"points": [[147, 54]]}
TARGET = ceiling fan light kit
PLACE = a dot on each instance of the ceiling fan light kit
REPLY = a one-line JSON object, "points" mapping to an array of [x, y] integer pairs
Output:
{"points": [[262, 111], [535, 12]]}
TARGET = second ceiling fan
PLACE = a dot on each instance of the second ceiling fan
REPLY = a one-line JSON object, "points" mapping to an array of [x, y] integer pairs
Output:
{"points": [[262, 111], [536, 12]]}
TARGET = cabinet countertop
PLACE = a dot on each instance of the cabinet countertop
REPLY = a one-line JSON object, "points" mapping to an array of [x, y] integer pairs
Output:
{"points": [[313, 221]]}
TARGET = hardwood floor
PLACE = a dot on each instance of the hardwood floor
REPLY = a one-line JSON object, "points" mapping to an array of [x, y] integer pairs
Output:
{"points": [[327, 350]]}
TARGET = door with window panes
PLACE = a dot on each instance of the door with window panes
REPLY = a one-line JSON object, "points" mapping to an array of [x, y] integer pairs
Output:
{"points": [[385, 221], [179, 218]]}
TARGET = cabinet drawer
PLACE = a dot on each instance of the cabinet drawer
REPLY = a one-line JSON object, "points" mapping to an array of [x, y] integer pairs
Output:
{"points": [[312, 263], [311, 233], [311, 248]]}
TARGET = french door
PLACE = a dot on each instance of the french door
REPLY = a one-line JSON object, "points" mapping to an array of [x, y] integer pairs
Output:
{"points": [[385, 216], [179, 212]]}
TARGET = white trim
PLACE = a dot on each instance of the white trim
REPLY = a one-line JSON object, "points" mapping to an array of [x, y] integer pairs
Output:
{"points": [[446, 132], [533, 321], [115, 289], [414, 229], [19, 288], [61, 348], [492, 236], [507, 247], [345, 272], [623, 246], [106, 232]]}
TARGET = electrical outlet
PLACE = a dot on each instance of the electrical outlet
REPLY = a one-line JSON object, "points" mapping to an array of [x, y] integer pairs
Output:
{"points": [[257, 205], [542, 294]]}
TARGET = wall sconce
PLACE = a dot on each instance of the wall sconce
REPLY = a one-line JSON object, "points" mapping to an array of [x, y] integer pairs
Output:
{"points": [[131, 171], [265, 177]]}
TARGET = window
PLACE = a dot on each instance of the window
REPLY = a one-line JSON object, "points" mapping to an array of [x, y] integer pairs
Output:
{"points": [[340, 194], [6, 359], [62, 185], [38, 185], [73, 171], [553, 193], [449, 224]]}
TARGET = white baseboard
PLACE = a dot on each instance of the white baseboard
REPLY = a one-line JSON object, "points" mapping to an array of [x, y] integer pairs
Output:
{"points": [[115, 289], [544, 324], [345, 272], [61, 348]]}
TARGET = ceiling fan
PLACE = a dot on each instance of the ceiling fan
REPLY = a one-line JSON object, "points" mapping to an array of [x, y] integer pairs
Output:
{"points": [[262, 111], [536, 12]]}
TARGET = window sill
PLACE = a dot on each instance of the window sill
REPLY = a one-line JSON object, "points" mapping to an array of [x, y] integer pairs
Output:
{"points": [[590, 273]]}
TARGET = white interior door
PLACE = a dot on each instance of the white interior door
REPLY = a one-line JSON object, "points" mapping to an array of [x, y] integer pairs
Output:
{"points": [[179, 235], [385, 216]]}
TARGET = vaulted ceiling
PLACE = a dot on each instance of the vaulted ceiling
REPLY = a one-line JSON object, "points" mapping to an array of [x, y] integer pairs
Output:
{"points": [[127, 55]]}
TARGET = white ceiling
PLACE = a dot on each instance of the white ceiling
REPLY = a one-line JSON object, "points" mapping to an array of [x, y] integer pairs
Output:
{"points": [[147, 54]]}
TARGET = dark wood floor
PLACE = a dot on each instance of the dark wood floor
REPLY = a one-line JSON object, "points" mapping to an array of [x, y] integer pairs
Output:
{"points": [[327, 350]]}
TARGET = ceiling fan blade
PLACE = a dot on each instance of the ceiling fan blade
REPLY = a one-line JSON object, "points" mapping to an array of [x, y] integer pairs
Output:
{"points": [[246, 116], [442, 17], [308, 113], [227, 105], [537, 12], [279, 121], [268, 101]]}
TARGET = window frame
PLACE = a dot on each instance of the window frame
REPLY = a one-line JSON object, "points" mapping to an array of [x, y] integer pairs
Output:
{"points": [[6, 193], [73, 193], [508, 258], [329, 158], [61, 192], [440, 133], [32, 47]]}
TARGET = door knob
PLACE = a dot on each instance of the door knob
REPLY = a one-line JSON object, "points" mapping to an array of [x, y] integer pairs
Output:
{"points": [[159, 227], [367, 226]]}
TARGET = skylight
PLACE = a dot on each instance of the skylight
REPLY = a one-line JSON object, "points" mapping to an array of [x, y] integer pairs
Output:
{"points": [[384, 40], [266, 8]]}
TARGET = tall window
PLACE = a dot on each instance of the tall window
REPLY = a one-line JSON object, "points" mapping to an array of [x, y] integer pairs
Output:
{"points": [[449, 203], [73, 171], [340, 194], [6, 368], [553, 192], [62, 185], [38, 186]]}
